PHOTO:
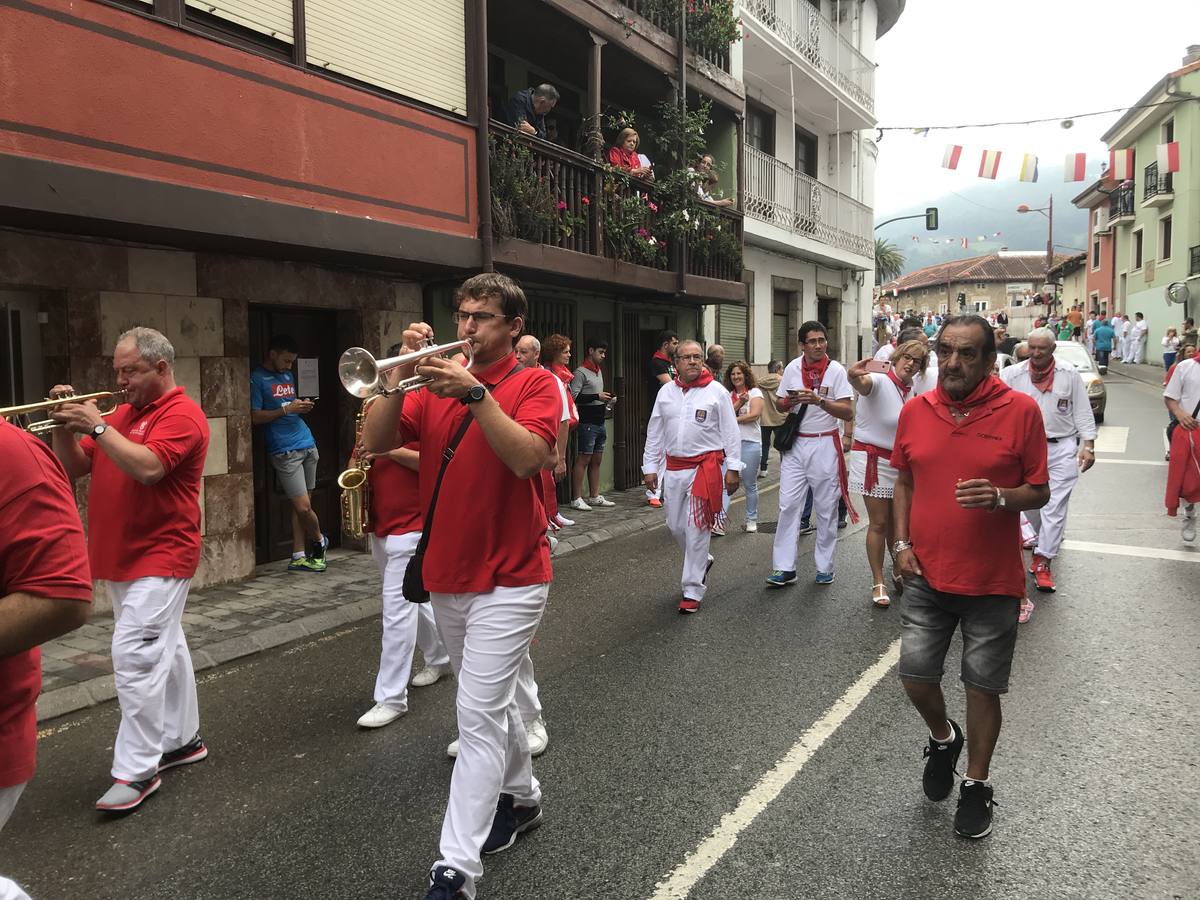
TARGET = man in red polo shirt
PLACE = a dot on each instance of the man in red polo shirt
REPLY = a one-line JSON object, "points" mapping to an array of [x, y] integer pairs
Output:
{"points": [[487, 565], [146, 461], [971, 455], [45, 591]]}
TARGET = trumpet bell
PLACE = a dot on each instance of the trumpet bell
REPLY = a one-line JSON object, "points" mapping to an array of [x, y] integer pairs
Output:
{"points": [[362, 375], [358, 373]]}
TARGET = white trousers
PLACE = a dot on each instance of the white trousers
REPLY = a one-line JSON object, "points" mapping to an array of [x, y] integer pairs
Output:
{"points": [[156, 686], [9, 890], [692, 540], [1064, 472], [811, 463], [527, 692], [1028, 532], [488, 637], [405, 625]]}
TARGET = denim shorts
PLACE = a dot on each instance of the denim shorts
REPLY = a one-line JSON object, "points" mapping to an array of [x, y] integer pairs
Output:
{"points": [[928, 622], [296, 471], [591, 437]]}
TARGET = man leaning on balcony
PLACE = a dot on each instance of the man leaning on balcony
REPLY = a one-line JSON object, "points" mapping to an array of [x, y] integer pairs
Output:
{"points": [[527, 109]]}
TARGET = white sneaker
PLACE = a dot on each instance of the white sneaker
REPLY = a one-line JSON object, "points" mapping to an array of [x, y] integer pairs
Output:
{"points": [[1189, 523], [752, 527], [452, 749], [539, 738], [552, 540], [578, 504], [378, 716], [430, 675], [561, 521], [762, 473], [599, 500]]}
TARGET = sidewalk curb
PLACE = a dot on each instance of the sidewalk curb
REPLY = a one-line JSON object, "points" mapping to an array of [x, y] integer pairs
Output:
{"points": [[1134, 373], [75, 697]]}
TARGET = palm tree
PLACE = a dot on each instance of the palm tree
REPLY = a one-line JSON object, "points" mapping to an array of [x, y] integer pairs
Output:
{"points": [[889, 261]]}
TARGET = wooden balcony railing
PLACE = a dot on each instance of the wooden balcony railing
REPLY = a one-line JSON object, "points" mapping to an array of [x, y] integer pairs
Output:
{"points": [[546, 194]]}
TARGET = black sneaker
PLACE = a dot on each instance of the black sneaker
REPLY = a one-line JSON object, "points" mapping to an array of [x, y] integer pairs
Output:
{"points": [[445, 883], [316, 549], [974, 816], [191, 752], [940, 760], [510, 821]]}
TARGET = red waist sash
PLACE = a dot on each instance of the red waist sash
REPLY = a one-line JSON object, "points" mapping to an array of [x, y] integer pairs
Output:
{"points": [[874, 455], [707, 487], [843, 479]]}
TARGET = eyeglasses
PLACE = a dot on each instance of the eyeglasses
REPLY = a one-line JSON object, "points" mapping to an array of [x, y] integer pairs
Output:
{"points": [[481, 318], [690, 357]]}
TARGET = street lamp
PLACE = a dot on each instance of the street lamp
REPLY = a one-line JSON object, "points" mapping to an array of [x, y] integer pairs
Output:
{"points": [[1048, 212]]}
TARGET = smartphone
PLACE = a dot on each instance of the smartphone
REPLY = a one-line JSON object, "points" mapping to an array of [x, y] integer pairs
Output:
{"points": [[881, 366]]}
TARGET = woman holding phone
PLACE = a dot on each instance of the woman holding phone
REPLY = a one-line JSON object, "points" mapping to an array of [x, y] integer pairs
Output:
{"points": [[883, 388]]}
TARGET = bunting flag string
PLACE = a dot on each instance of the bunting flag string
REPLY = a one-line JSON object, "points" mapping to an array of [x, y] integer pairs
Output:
{"points": [[1120, 164], [1075, 167], [1029, 168], [989, 164]]}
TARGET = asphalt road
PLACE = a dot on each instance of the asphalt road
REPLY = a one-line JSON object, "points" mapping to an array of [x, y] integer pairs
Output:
{"points": [[661, 725]]}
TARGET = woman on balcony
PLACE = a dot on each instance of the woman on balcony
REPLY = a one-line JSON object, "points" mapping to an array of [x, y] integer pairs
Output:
{"points": [[624, 155], [706, 176]]}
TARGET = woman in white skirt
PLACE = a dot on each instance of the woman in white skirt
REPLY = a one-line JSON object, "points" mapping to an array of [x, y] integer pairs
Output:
{"points": [[881, 395]]}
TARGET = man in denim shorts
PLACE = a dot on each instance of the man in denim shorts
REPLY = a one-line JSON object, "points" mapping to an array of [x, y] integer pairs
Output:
{"points": [[291, 448], [587, 387], [971, 455]]}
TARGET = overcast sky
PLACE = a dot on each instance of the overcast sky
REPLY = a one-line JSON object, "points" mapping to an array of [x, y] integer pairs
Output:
{"points": [[949, 62]]}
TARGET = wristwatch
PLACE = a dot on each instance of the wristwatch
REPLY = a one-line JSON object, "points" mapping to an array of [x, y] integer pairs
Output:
{"points": [[1000, 501], [900, 546], [474, 395]]}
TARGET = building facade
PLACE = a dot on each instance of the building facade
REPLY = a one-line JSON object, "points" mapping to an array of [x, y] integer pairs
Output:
{"points": [[1155, 217], [1101, 247], [808, 181]]}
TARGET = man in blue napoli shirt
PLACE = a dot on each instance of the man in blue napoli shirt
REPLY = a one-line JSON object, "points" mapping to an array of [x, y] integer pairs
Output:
{"points": [[291, 448]]}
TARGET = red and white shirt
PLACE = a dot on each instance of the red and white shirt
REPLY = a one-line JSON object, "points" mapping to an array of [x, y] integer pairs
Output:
{"points": [[489, 528], [42, 553], [395, 499], [973, 552], [834, 386], [149, 530]]}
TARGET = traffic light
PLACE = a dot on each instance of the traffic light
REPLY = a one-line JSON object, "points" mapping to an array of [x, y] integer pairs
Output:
{"points": [[962, 299], [931, 222]]}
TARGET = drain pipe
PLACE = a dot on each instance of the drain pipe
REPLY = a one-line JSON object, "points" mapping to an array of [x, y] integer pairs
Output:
{"points": [[483, 180], [681, 273]]}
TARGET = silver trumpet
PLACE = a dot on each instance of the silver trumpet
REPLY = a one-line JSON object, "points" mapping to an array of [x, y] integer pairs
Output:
{"points": [[362, 374]]}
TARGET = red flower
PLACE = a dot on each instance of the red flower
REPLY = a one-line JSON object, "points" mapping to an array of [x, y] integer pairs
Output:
{"points": [[584, 200], [562, 204]]}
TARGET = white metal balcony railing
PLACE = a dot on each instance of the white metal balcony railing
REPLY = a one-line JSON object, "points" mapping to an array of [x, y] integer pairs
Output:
{"points": [[802, 27], [779, 195]]}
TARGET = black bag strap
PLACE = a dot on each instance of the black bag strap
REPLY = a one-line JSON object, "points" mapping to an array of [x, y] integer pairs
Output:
{"points": [[447, 455]]}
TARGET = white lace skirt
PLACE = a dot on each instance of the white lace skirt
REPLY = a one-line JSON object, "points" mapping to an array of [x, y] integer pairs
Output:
{"points": [[885, 486]]}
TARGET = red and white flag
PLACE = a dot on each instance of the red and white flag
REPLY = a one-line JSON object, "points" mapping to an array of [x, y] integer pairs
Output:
{"points": [[964, 243], [1120, 164], [951, 157], [1168, 158], [1075, 168], [989, 164]]}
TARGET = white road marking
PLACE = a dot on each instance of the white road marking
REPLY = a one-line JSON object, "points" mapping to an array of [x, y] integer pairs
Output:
{"points": [[1139, 552], [1111, 439], [1132, 462], [697, 864]]}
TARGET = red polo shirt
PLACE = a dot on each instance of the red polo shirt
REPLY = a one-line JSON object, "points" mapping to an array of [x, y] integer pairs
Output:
{"points": [[144, 530], [969, 551], [489, 529], [41, 553], [395, 497]]}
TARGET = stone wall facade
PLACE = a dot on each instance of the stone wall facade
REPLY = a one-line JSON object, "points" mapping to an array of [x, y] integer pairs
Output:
{"points": [[90, 291]]}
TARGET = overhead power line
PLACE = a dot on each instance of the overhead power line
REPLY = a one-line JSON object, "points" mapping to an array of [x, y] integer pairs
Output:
{"points": [[1103, 112]]}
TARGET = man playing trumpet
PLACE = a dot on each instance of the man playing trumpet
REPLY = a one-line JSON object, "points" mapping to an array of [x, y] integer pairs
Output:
{"points": [[146, 461], [487, 565]]}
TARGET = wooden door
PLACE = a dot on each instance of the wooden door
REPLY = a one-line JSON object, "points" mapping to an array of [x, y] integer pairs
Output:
{"points": [[316, 335]]}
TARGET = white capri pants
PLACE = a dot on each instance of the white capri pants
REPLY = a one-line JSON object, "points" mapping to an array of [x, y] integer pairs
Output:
{"points": [[405, 625], [156, 686], [488, 637], [812, 462]]}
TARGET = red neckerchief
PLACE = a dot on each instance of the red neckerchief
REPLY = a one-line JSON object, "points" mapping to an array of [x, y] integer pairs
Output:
{"points": [[591, 366], [1045, 381], [988, 389], [704, 380], [814, 374], [658, 354], [563, 373], [900, 385]]}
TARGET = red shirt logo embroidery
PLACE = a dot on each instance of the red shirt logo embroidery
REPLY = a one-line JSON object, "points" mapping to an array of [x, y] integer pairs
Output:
{"points": [[139, 430]]}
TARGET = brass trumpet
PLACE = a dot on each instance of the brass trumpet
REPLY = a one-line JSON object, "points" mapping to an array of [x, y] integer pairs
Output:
{"points": [[362, 375], [18, 414]]}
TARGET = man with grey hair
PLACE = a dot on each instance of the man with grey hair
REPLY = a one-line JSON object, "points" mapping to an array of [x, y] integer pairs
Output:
{"points": [[527, 109], [1071, 433], [146, 461]]}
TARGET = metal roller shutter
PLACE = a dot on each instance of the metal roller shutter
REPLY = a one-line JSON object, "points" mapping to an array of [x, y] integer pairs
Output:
{"points": [[414, 49], [269, 17], [732, 332]]}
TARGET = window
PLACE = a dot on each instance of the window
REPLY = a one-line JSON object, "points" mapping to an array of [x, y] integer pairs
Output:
{"points": [[981, 306], [1168, 131], [780, 301], [1135, 250], [272, 18], [981, 285], [1095, 254], [760, 128], [806, 153], [1164, 238]]}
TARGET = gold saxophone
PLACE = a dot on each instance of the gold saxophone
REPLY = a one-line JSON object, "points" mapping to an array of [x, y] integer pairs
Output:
{"points": [[356, 491]]}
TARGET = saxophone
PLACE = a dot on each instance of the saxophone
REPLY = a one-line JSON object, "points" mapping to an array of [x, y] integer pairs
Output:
{"points": [[356, 492]]}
